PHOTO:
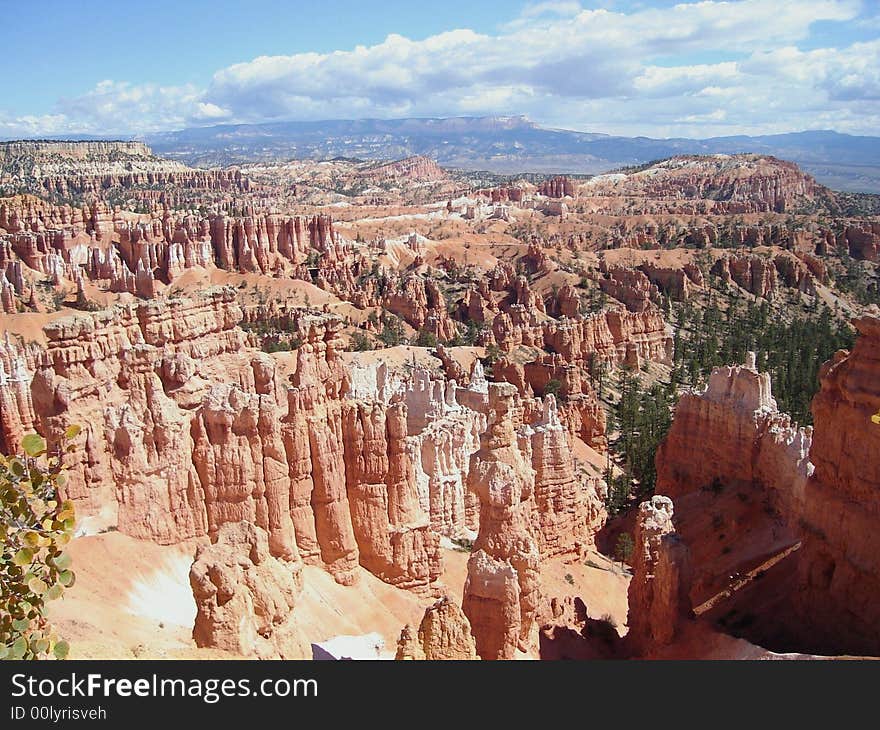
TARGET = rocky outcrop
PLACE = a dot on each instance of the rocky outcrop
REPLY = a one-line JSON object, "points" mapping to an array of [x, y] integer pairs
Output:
{"points": [[755, 274], [16, 406], [417, 168], [728, 184], [861, 241], [239, 457], [134, 253], [742, 439], [502, 194], [564, 302], [104, 372], [444, 633], [246, 597], [658, 600], [421, 304], [794, 273], [557, 187], [629, 286], [187, 430], [612, 337], [678, 283], [501, 592], [312, 432], [443, 434], [74, 169], [814, 494]]}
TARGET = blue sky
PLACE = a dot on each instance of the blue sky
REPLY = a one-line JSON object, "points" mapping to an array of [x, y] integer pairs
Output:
{"points": [[658, 68]]}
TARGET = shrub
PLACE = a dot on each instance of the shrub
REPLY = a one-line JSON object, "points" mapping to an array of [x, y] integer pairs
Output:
{"points": [[624, 547], [35, 525], [360, 342], [552, 388], [426, 339]]}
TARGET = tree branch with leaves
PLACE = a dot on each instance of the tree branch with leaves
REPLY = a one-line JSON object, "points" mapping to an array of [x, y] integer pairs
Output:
{"points": [[36, 525]]}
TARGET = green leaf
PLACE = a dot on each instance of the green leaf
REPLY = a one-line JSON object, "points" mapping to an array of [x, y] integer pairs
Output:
{"points": [[21, 624], [66, 578], [72, 431], [23, 557], [41, 646], [62, 649], [33, 444], [16, 467], [62, 561], [19, 647], [54, 593]]}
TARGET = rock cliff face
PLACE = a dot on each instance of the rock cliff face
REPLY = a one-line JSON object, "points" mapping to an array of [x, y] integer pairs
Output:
{"points": [[16, 406], [45, 151], [613, 336], [187, 430], [763, 276], [658, 599], [104, 372], [444, 633], [443, 435], [817, 491], [742, 439], [567, 513], [394, 537], [135, 253], [862, 241], [630, 286], [678, 283], [500, 195], [737, 470], [422, 305], [557, 187], [245, 596], [580, 412], [840, 576], [753, 273], [189, 433]]}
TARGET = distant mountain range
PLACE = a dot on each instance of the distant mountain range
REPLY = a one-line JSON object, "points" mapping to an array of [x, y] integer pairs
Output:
{"points": [[509, 145]]}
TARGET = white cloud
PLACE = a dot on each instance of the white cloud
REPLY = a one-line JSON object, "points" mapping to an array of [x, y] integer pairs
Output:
{"points": [[558, 63], [561, 8]]}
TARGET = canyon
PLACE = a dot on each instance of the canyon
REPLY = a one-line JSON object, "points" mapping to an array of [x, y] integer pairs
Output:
{"points": [[341, 400]]}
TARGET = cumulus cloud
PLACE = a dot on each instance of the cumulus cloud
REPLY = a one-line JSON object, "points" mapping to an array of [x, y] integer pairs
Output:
{"points": [[558, 63]]}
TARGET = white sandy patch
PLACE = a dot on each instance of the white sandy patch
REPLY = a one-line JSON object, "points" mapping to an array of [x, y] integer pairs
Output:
{"points": [[163, 593]]}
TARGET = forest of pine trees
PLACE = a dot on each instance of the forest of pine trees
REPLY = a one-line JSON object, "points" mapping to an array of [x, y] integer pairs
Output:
{"points": [[641, 417], [792, 351]]}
